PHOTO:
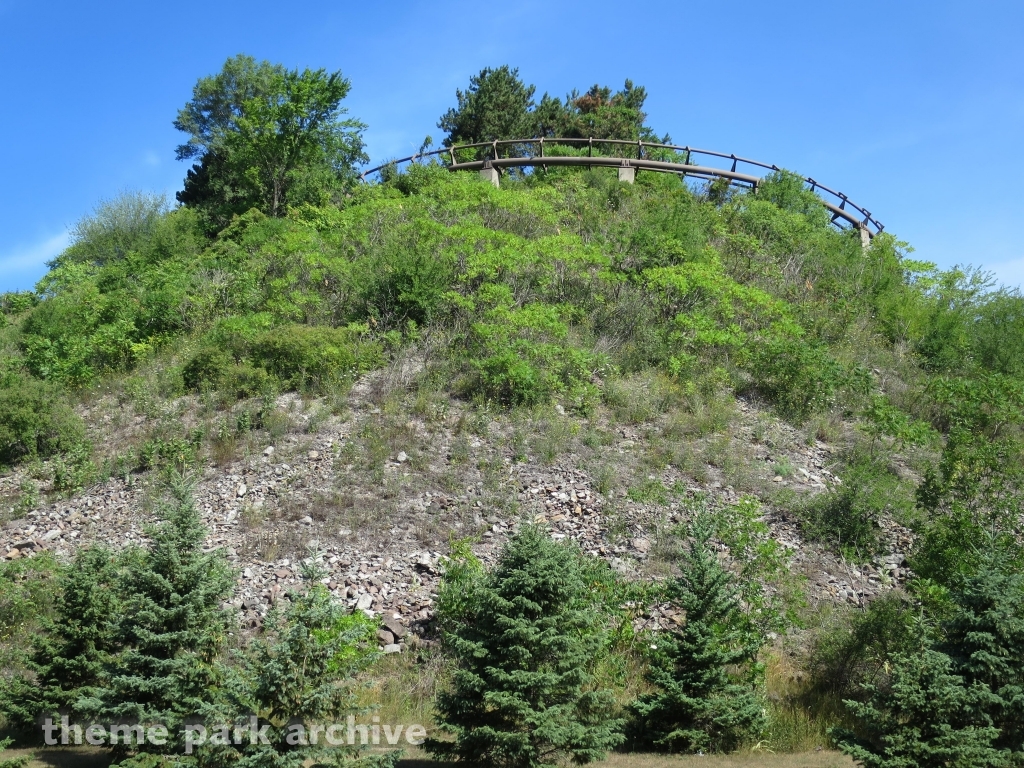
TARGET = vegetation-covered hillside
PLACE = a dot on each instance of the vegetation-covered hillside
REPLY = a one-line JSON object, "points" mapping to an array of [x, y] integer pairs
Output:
{"points": [[672, 352]]}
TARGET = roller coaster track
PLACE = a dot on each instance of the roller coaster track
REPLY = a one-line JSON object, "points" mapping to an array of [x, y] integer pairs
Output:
{"points": [[632, 156]]}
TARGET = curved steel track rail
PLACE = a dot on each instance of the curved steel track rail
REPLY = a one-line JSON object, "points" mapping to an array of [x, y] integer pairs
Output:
{"points": [[637, 155]]}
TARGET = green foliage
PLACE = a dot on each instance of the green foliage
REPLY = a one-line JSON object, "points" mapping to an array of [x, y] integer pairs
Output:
{"points": [[35, 421], [849, 514], [26, 595], [985, 640], [523, 693], [462, 574], [598, 113], [116, 228], [860, 651], [69, 655], [495, 106], [12, 762], [244, 362], [169, 630], [268, 138], [523, 356], [926, 716], [798, 377], [499, 106], [300, 670], [704, 673], [15, 302], [762, 561]]}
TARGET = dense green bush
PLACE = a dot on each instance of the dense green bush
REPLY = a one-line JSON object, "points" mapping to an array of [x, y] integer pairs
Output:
{"points": [[35, 421], [849, 514], [798, 377], [243, 361], [523, 356], [926, 716]]}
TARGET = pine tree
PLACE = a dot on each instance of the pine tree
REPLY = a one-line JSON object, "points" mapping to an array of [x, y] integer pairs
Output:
{"points": [[299, 671], [985, 640], [171, 629], [69, 659], [927, 717], [524, 694], [701, 704]]}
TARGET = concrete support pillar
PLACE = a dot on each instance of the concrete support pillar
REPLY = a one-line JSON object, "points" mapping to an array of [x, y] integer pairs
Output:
{"points": [[627, 173], [865, 237], [490, 173]]}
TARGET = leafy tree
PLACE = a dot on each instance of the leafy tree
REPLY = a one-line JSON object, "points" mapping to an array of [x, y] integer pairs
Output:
{"points": [[524, 692], [171, 628], [598, 113], [705, 672], [117, 227], [267, 137], [496, 106], [926, 717]]}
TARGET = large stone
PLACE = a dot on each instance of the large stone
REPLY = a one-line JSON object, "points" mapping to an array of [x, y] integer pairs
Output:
{"points": [[393, 648], [395, 627], [385, 637], [364, 601]]}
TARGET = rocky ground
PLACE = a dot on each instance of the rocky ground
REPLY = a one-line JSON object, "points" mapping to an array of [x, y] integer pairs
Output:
{"points": [[375, 494]]}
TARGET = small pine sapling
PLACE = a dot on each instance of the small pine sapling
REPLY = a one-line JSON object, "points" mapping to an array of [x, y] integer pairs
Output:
{"points": [[704, 673]]}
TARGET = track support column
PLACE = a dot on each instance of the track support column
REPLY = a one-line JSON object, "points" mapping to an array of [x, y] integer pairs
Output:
{"points": [[490, 173], [627, 173], [865, 237]]}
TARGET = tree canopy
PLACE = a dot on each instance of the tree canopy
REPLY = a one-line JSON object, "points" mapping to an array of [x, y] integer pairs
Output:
{"points": [[266, 137], [499, 106]]}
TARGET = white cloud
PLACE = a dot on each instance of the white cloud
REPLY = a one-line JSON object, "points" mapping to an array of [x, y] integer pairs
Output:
{"points": [[33, 257]]}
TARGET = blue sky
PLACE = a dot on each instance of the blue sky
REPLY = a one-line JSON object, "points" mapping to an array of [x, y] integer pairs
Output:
{"points": [[913, 109]]}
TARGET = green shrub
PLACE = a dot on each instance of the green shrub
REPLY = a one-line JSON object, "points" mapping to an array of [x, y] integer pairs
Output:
{"points": [[16, 302], [925, 716], [523, 356], [34, 421], [847, 516], [244, 360], [215, 370], [302, 355], [797, 377]]}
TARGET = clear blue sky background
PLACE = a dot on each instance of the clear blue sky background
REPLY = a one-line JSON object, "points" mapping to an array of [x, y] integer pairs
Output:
{"points": [[914, 109]]}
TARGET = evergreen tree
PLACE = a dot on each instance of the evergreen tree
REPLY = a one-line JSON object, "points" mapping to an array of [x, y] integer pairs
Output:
{"points": [[69, 658], [985, 640], [524, 693], [927, 717], [298, 672], [701, 703], [496, 106], [171, 628]]}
